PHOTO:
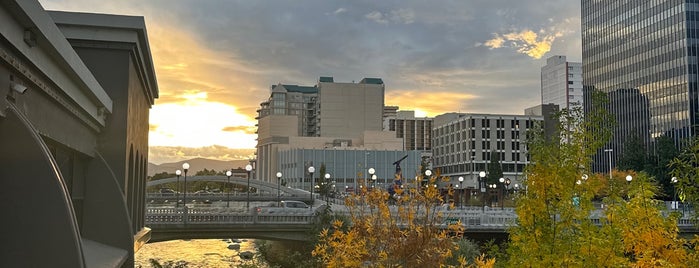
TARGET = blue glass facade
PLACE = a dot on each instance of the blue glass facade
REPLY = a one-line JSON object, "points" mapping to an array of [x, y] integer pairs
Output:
{"points": [[346, 167], [643, 54]]}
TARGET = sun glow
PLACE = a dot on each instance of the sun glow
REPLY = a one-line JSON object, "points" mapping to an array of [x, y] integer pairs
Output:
{"points": [[197, 122]]}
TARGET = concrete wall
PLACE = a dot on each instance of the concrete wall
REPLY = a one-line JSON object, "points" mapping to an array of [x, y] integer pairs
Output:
{"points": [[76, 140], [347, 109]]}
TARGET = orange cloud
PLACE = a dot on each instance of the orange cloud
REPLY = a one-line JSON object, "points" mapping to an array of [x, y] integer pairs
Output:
{"points": [[243, 129], [526, 42], [533, 44], [428, 103]]}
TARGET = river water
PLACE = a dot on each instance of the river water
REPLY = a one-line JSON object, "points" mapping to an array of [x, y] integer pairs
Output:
{"points": [[196, 253]]}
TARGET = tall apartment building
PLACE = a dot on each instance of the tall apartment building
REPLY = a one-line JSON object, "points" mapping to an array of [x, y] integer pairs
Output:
{"points": [[416, 132], [462, 144], [325, 116], [561, 83], [648, 68]]}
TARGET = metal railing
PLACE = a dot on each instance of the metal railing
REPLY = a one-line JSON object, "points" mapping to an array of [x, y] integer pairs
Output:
{"points": [[477, 218]]}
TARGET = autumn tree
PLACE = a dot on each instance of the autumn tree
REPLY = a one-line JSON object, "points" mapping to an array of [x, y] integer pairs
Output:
{"points": [[408, 232], [686, 169], [658, 164], [553, 213], [559, 227]]}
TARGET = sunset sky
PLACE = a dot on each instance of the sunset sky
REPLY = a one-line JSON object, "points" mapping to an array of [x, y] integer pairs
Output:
{"points": [[215, 60]]}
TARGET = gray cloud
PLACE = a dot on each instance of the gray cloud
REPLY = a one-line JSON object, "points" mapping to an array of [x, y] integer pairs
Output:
{"points": [[422, 46]]}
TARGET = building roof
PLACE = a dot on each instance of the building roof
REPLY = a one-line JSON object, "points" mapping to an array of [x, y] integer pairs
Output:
{"points": [[368, 80], [297, 88], [113, 29], [326, 79]]}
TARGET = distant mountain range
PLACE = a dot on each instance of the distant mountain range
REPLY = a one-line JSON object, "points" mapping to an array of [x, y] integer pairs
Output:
{"points": [[196, 164]]}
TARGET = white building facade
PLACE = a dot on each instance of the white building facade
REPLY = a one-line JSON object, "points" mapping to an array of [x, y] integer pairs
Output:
{"points": [[463, 143], [561, 83]]}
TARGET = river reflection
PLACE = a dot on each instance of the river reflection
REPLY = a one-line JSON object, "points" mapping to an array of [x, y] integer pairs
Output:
{"points": [[195, 253]]}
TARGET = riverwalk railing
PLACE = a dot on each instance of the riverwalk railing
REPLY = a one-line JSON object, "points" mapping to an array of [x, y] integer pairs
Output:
{"points": [[224, 216], [476, 219]]}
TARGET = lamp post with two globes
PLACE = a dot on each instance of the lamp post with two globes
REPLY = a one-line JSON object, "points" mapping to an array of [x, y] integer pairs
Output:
{"points": [[372, 177]]}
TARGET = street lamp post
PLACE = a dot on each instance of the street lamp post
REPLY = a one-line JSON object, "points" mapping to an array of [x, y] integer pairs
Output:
{"points": [[507, 189], [628, 180], [481, 184], [248, 168], [371, 176], [228, 193], [609, 151], [461, 193], [673, 180], [428, 173], [279, 182], [177, 187], [326, 186], [185, 167], [502, 193], [311, 169], [492, 187]]}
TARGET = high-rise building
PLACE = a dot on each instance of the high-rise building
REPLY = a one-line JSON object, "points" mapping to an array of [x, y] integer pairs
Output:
{"points": [[325, 116], [642, 54], [561, 83]]}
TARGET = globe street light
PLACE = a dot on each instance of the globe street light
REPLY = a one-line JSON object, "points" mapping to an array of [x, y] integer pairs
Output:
{"points": [[228, 193], [248, 168], [373, 181], [461, 192], [371, 174], [311, 169], [177, 187], [185, 167], [279, 179]]}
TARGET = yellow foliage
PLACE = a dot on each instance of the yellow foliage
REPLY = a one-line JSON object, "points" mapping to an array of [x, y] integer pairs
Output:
{"points": [[404, 230]]}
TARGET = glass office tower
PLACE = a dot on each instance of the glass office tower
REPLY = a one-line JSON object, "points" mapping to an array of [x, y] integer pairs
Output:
{"points": [[643, 54]]}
